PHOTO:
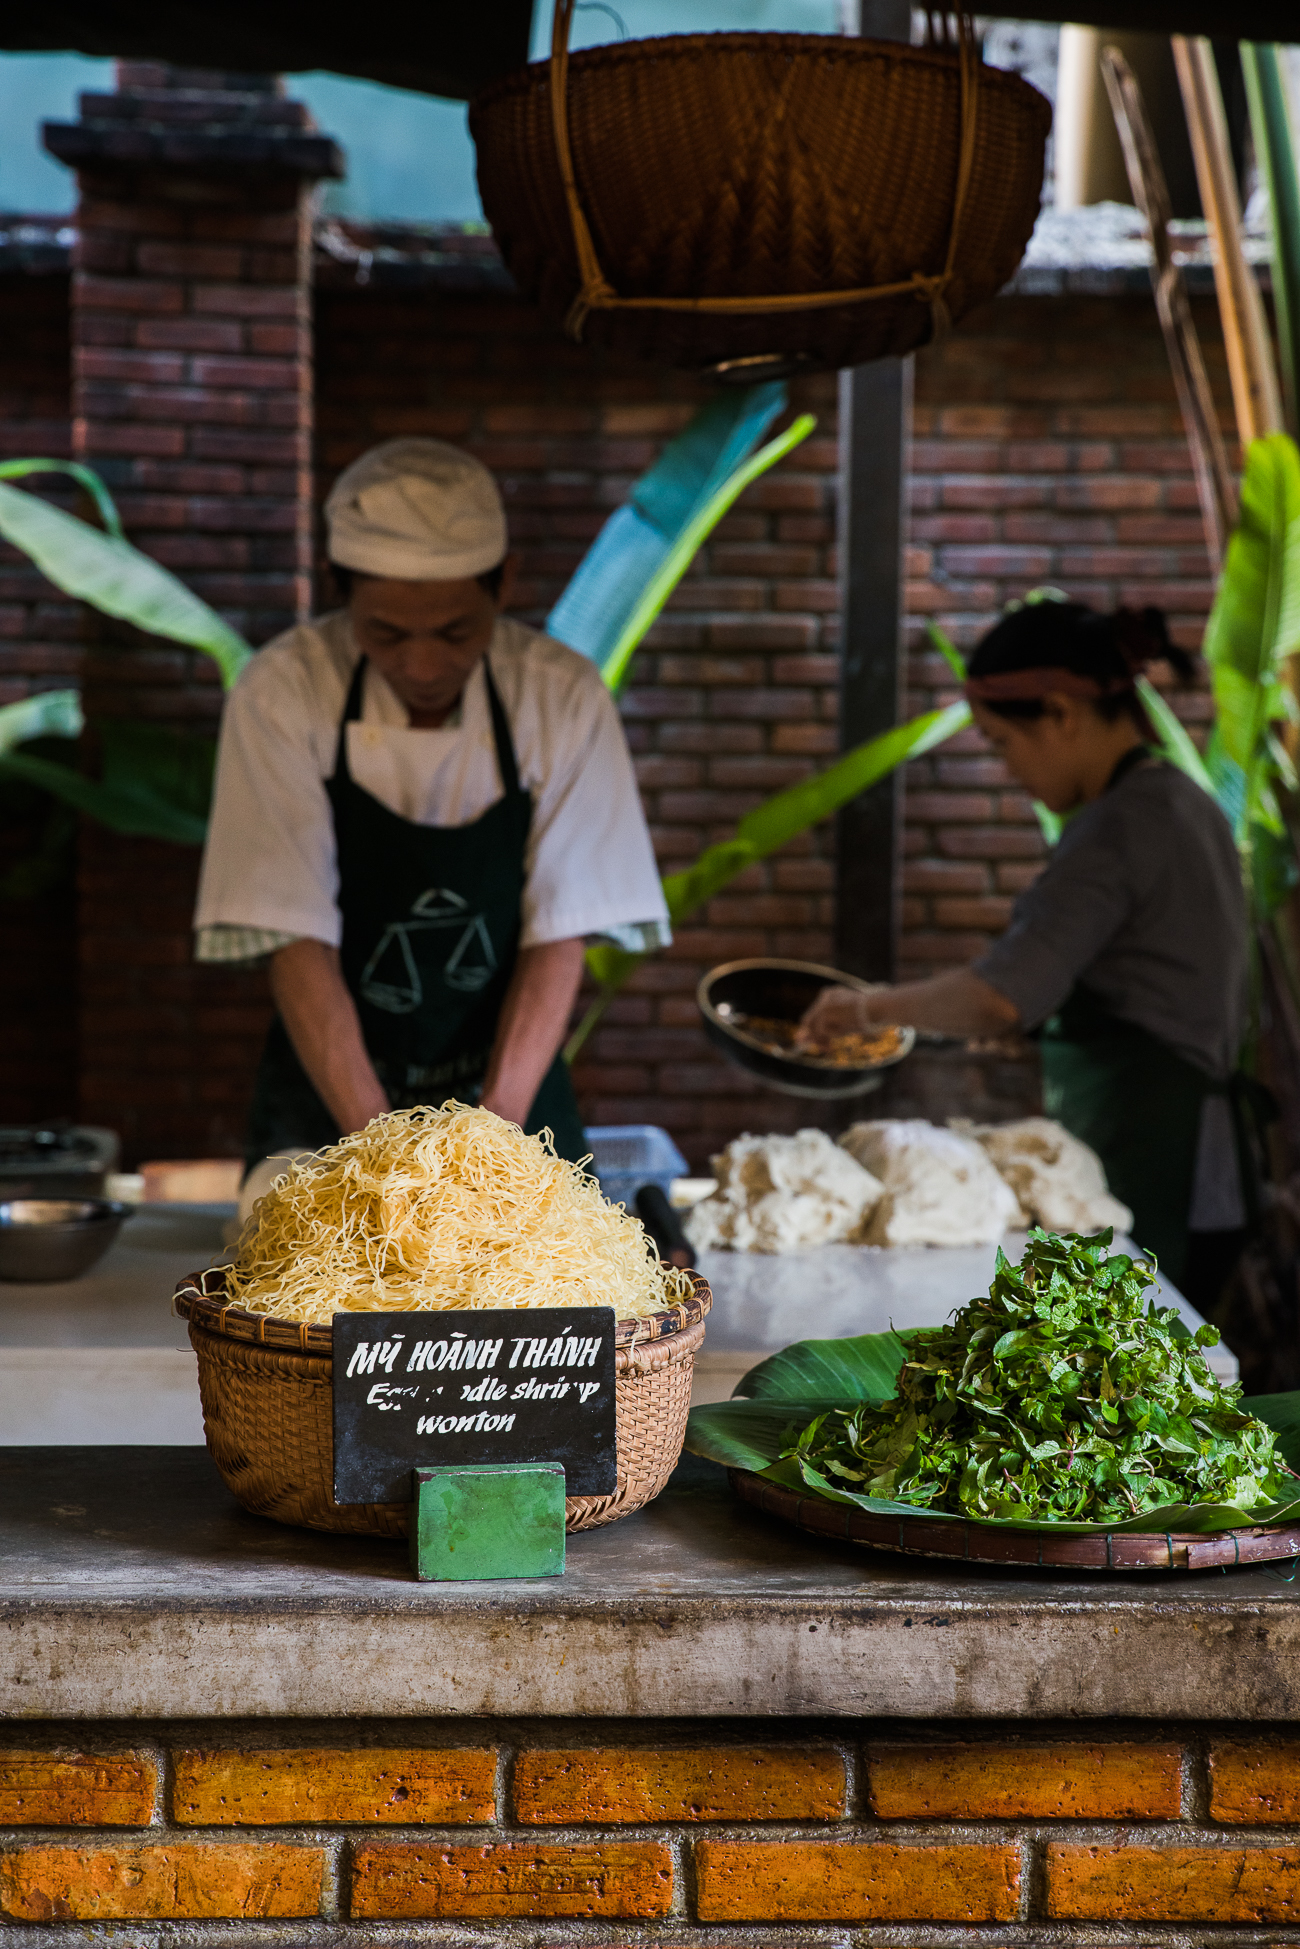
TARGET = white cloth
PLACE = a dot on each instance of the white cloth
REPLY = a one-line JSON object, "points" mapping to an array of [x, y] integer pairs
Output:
{"points": [[270, 858], [416, 511]]}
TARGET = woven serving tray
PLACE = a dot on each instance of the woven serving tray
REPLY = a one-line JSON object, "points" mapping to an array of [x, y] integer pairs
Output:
{"points": [[936, 1536]]}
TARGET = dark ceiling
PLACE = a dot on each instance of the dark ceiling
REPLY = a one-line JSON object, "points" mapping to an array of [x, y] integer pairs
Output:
{"points": [[431, 45], [452, 50], [1253, 20]]}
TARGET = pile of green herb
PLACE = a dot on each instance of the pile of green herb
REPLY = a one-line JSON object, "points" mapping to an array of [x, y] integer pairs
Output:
{"points": [[1059, 1397]]}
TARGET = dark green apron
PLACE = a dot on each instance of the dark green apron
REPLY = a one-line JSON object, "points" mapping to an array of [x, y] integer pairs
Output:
{"points": [[431, 924], [1137, 1103]]}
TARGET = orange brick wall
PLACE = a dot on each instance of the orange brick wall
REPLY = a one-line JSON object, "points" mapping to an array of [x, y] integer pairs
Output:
{"points": [[655, 1834]]}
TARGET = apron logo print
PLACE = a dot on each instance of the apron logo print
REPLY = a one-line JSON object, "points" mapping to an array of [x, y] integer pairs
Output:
{"points": [[391, 977]]}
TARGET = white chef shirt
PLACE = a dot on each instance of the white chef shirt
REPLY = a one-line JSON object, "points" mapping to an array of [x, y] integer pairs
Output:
{"points": [[270, 872]]}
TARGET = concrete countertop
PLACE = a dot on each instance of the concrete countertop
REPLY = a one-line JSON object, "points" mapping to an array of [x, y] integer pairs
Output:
{"points": [[132, 1585], [102, 1359]]}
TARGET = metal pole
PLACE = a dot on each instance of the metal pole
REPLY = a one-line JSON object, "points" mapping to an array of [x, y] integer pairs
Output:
{"points": [[875, 408]]}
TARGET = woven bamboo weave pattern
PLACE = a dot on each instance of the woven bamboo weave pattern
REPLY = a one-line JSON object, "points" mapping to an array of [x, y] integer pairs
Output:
{"points": [[268, 1418], [756, 165], [202, 1299]]}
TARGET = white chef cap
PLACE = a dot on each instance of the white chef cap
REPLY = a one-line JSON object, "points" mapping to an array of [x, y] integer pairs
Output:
{"points": [[416, 511]]}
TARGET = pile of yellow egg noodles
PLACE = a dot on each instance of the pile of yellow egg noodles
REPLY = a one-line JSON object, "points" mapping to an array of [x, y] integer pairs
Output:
{"points": [[438, 1209]]}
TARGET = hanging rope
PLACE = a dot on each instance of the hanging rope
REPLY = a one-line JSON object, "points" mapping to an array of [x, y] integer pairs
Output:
{"points": [[596, 293]]}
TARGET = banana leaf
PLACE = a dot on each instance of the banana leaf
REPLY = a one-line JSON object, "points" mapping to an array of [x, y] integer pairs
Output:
{"points": [[1270, 125], [947, 649], [155, 783], [1175, 744], [786, 1392], [764, 830], [857, 1369], [635, 543], [1253, 629], [104, 570], [784, 816], [50, 714], [85, 476]]}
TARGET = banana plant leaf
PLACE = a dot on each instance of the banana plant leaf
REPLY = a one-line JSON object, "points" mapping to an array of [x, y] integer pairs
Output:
{"points": [[770, 826], [104, 570], [634, 545], [1253, 629], [1270, 126], [85, 476], [155, 783], [50, 714], [784, 1393], [947, 649], [1175, 744]]}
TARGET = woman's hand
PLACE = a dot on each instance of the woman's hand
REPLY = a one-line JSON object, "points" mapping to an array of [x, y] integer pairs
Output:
{"points": [[955, 1003], [835, 1011]]}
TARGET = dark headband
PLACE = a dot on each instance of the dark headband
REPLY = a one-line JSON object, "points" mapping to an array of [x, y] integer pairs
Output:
{"points": [[1016, 686]]}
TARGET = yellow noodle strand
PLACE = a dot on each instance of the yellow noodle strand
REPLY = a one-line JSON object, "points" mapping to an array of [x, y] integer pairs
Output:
{"points": [[433, 1209]]}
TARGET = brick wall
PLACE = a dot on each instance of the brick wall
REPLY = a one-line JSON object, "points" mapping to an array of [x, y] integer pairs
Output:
{"points": [[192, 397], [651, 1834], [40, 649], [1047, 449]]}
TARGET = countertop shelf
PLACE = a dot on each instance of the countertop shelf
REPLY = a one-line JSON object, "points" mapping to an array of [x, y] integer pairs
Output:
{"points": [[131, 1584]]}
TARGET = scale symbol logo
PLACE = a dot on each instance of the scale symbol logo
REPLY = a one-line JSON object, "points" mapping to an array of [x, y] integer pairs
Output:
{"points": [[391, 977]]}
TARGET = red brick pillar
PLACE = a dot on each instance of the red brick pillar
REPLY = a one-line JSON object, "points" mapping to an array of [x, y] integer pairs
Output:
{"points": [[191, 350]]}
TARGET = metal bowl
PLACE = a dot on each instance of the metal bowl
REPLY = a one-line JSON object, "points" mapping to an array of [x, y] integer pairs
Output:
{"points": [[56, 1238], [782, 991]]}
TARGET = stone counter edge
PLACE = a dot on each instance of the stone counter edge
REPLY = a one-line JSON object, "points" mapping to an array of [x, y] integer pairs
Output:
{"points": [[1091, 1660]]}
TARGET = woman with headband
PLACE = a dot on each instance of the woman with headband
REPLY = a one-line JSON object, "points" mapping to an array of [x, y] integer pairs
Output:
{"points": [[1128, 954]]}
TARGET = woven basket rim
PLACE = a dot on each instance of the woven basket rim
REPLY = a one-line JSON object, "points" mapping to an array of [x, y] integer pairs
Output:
{"points": [[673, 47], [201, 1299]]}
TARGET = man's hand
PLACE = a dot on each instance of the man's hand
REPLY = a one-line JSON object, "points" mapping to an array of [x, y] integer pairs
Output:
{"points": [[308, 989], [534, 1017]]}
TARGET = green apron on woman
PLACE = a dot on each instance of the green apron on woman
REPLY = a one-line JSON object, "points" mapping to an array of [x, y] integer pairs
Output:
{"points": [[1137, 1103], [1144, 895], [431, 925]]}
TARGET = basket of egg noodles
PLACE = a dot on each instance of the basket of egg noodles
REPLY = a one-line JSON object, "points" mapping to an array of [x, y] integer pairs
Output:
{"points": [[427, 1210]]}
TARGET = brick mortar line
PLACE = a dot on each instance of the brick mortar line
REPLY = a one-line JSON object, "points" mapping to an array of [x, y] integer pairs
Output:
{"points": [[336, 1880], [835, 1832], [1196, 1776]]}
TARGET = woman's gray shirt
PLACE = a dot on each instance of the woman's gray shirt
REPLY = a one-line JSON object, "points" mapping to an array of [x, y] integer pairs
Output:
{"points": [[1141, 899]]}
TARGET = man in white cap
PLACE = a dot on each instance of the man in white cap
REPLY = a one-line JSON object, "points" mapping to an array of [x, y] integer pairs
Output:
{"points": [[422, 811]]}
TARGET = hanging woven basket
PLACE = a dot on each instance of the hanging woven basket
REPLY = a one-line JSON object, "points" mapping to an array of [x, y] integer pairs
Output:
{"points": [[753, 202]]}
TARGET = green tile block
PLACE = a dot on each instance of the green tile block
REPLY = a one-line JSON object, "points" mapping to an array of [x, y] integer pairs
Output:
{"points": [[470, 1523]]}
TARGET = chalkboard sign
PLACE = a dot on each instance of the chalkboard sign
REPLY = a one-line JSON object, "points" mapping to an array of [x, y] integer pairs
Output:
{"points": [[505, 1385]]}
